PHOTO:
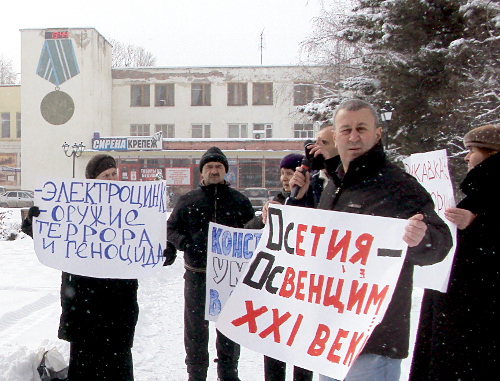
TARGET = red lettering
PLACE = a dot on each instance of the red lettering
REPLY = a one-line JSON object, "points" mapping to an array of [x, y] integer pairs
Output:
{"points": [[356, 296], [363, 244], [250, 316], [376, 297], [295, 329], [300, 285], [315, 289], [288, 286], [318, 344], [336, 346], [300, 238], [317, 231], [334, 300], [275, 327], [351, 352], [334, 248]]}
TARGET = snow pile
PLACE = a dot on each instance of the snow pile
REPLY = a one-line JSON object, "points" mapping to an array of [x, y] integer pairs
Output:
{"points": [[10, 223]]}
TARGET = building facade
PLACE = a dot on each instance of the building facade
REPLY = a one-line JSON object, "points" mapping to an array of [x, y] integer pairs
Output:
{"points": [[10, 138], [156, 120]]}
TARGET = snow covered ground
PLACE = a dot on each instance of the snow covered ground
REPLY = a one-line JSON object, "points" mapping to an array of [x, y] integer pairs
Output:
{"points": [[29, 317]]}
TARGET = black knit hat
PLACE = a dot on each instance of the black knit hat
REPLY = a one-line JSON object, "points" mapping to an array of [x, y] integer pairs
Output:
{"points": [[214, 154], [291, 161], [99, 163]]}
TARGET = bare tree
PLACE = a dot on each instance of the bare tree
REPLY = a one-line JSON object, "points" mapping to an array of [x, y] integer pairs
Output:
{"points": [[7, 75], [129, 55]]}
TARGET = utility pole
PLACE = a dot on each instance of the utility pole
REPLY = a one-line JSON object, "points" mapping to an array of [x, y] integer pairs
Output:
{"points": [[261, 45]]}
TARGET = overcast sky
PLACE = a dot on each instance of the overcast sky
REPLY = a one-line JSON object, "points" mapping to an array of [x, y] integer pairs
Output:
{"points": [[178, 33]]}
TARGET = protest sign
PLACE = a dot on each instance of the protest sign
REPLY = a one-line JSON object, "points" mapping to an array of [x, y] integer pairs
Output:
{"points": [[318, 285], [229, 251], [431, 170], [102, 229]]}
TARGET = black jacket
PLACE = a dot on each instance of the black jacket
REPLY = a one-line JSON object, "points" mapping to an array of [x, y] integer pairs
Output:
{"points": [[458, 332], [96, 311], [187, 226], [374, 186], [257, 223], [100, 311]]}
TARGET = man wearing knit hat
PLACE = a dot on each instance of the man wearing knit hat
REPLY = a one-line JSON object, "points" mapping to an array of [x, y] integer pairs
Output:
{"points": [[187, 228]]}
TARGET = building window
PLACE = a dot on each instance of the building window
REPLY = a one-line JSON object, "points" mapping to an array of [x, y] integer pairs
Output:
{"points": [[164, 95], [200, 131], [262, 94], [139, 130], [168, 130], [18, 124], [261, 130], [200, 94], [237, 94], [5, 125], [250, 173], [238, 131], [303, 131], [303, 93], [139, 95], [272, 173]]}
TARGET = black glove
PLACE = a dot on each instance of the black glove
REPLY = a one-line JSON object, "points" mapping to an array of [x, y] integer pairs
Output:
{"points": [[170, 253], [34, 211], [27, 225]]}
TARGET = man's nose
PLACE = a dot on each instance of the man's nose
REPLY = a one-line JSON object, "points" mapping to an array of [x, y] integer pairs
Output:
{"points": [[354, 136]]}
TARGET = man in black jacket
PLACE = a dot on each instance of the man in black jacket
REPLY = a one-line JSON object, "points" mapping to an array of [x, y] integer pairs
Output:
{"points": [[364, 181], [187, 229]]}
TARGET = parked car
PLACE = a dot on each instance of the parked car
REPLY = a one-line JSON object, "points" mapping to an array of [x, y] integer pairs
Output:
{"points": [[16, 199], [257, 196]]}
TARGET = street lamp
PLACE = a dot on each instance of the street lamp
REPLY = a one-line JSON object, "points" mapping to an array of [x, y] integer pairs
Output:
{"points": [[76, 151], [386, 116]]}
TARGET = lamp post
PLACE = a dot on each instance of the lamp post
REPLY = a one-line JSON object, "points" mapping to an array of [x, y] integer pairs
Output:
{"points": [[386, 116], [76, 151]]}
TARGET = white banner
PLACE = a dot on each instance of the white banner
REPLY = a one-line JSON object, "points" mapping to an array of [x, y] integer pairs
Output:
{"points": [[101, 229], [431, 170], [317, 286], [229, 251]]}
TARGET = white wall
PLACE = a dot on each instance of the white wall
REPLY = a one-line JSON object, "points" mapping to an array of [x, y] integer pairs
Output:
{"points": [[90, 90]]}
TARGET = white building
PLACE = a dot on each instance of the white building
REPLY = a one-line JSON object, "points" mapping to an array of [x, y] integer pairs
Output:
{"points": [[70, 93]]}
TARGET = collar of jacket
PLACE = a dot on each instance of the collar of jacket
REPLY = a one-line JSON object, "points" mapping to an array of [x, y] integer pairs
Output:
{"points": [[361, 167], [212, 188], [483, 176]]}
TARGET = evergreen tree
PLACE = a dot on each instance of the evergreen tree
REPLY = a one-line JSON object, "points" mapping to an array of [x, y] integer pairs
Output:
{"points": [[437, 62]]}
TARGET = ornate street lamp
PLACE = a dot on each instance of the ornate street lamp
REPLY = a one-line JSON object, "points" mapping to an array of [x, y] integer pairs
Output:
{"points": [[76, 151], [386, 116]]}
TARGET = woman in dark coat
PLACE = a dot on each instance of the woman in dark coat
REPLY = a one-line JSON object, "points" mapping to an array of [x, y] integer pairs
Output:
{"points": [[275, 370], [98, 315], [458, 333]]}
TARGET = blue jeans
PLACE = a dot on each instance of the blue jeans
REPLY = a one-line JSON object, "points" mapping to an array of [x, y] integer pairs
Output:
{"points": [[371, 367]]}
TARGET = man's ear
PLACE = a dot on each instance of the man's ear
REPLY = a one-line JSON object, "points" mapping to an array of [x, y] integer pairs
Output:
{"points": [[379, 133]]}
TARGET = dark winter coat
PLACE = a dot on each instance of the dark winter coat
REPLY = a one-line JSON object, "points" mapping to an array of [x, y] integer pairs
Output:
{"points": [[103, 311], [458, 333], [96, 311], [187, 226], [374, 186]]}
